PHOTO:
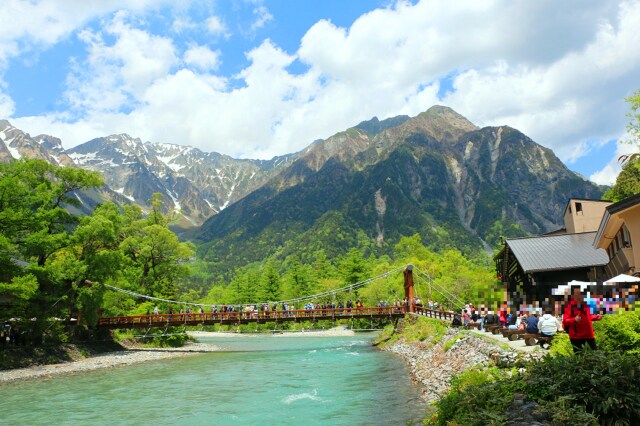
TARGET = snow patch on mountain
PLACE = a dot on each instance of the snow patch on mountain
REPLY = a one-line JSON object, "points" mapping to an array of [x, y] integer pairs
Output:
{"points": [[13, 151], [83, 158]]}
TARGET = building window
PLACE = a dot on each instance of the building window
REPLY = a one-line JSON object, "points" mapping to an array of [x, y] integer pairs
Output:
{"points": [[619, 239], [579, 208], [626, 237]]}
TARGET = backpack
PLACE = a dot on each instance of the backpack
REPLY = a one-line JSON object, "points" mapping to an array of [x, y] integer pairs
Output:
{"points": [[456, 320]]}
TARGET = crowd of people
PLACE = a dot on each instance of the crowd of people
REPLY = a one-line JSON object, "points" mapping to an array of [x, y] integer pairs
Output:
{"points": [[286, 309], [576, 320]]}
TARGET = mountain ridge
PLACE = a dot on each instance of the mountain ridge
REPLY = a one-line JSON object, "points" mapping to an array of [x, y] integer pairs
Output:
{"points": [[437, 173]]}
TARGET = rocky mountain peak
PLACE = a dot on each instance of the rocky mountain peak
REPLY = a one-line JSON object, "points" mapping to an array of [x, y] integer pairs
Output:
{"points": [[374, 126], [4, 124], [440, 122], [50, 142]]}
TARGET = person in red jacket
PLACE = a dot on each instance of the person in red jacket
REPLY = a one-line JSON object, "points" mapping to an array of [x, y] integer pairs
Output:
{"points": [[502, 315], [577, 322]]}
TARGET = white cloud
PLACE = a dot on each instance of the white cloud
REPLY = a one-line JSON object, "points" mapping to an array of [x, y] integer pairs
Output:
{"points": [[116, 75], [607, 175], [263, 16], [556, 71], [202, 57], [215, 25], [182, 24], [40, 23], [7, 106]]}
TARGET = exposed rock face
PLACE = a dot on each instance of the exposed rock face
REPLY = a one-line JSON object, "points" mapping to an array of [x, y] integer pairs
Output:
{"points": [[195, 184], [14, 143], [438, 175]]}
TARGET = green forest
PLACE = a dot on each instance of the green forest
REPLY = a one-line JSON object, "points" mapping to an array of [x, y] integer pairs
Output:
{"points": [[54, 265]]}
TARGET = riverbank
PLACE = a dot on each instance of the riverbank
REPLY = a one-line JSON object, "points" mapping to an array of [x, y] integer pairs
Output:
{"points": [[113, 359], [134, 354], [434, 361]]}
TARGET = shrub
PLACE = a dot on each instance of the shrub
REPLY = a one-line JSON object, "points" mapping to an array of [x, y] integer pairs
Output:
{"points": [[619, 332], [564, 412], [477, 397], [605, 384], [561, 345]]}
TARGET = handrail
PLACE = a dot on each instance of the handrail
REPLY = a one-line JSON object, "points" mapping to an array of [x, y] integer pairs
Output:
{"points": [[433, 313], [266, 316]]}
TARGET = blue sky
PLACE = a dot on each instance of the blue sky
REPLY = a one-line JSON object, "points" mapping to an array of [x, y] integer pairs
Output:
{"points": [[254, 79]]}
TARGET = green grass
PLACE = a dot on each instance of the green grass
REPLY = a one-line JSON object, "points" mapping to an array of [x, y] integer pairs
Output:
{"points": [[452, 342]]}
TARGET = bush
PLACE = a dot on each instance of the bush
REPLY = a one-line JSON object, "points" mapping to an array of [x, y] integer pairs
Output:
{"points": [[477, 397], [564, 412], [561, 345], [605, 384], [592, 387], [619, 332]]}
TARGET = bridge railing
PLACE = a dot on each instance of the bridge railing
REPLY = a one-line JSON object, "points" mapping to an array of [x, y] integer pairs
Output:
{"points": [[433, 313], [266, 316]]}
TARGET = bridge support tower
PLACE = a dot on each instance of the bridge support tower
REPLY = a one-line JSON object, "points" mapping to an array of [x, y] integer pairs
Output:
{"points": [[409, 293]]}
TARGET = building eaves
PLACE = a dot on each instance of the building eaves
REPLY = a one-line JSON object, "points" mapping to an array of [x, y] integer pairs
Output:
{"points": [[557, 252], [624, 204]]}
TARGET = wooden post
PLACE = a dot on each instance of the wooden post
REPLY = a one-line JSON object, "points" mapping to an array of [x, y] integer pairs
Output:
{"points": [[408, 286]]}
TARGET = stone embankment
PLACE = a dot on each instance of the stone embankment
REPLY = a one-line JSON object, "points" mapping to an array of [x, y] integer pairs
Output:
{"points": [[434, 365]]}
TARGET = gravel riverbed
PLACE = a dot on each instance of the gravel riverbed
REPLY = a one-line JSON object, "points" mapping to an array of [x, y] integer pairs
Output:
{"points": [[105, 360]]}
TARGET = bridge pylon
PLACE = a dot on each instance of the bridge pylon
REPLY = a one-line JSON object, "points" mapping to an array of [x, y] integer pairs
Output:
{"points": [[409, 293]]}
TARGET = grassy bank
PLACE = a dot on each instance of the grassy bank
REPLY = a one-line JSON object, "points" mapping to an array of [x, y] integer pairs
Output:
{"points": [[591, 388]]}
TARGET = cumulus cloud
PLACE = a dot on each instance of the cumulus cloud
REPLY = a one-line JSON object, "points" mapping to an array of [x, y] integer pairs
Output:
{"points": [[607, 175], [115, 75], [215, 25], [40, 23], [7, 106], [557, 71], [202, 57]]}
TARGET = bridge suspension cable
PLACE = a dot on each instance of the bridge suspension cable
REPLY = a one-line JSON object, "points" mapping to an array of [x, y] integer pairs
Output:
{"points": [[298, 299], [425, 277]]}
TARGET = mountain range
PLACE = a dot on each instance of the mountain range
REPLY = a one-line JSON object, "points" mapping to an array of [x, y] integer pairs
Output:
{"points": [[195, 184], [437, 174]]}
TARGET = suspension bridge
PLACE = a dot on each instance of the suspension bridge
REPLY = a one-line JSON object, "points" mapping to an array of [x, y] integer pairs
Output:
{"points": [[246, 316]]}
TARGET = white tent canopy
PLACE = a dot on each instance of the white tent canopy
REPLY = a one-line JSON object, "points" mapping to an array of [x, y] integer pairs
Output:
{"points": [[623, 278], [565, 289]]}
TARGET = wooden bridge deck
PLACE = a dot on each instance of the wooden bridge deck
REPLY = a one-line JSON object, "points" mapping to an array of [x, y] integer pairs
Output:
{"points": [[234, 318]]}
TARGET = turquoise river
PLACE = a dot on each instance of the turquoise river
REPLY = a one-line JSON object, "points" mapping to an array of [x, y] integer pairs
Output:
{"points": [[257, 380]]}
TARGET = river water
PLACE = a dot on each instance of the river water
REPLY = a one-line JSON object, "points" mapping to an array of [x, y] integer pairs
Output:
{"points": [[258, 380]]}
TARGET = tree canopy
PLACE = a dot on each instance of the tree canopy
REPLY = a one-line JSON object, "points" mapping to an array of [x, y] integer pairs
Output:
{"points": [[53, 263]]}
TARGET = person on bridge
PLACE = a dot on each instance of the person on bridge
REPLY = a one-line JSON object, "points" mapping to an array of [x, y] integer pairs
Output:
{"points": [[577, 321], [155, 310]]}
